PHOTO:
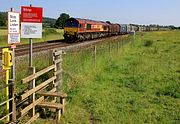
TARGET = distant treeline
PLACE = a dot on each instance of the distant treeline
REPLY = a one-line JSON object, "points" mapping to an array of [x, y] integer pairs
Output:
{"points": [[47, 22], [59, 23]]}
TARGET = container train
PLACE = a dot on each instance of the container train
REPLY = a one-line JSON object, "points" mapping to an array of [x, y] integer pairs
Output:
{"points": [[76, 29]]}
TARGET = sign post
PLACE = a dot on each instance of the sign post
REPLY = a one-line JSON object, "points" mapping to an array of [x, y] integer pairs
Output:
{"points": [[31, 25], [13, 39], [13, 35]]}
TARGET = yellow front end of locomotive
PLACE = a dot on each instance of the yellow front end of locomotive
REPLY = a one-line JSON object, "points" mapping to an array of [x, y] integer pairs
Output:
{"points": [[70, 31]]}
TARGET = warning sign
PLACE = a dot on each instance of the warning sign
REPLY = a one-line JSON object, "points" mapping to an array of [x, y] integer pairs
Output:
{"points": [[31, 22], [13, 28], [13, 38]]}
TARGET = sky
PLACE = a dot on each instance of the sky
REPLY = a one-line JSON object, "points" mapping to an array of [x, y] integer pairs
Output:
{"points": [[162, 12]]}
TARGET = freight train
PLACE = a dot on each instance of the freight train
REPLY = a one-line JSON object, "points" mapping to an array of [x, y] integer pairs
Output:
{"points": [[76, 29]]}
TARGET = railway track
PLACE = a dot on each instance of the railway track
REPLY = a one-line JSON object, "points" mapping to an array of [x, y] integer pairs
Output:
{"points": [[37, 47], [43, 46]]}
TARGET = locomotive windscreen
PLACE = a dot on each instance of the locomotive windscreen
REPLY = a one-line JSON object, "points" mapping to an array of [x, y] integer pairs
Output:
{"points": [[71, 23]]}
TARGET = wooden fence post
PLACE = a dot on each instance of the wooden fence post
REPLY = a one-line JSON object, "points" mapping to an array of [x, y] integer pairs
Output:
{"points": [[57, 60], [12, 102]]}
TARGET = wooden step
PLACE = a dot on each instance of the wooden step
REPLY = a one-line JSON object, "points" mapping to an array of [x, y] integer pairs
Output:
{"points": [[51, 105], [54, 94]]}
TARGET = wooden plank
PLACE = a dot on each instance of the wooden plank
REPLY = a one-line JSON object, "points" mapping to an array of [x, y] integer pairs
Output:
{"points": [[33, 118], [59, 114], [6, 101], [51, 105], [6, 116], [29, 107], [30, 92], [54, 94], [63, 103], [33, 76], [53, 90]]}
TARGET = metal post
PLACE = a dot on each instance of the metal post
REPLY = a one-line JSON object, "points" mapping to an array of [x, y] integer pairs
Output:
{"points": [[13, 77], [30, 49], [13, 66], [13, 60], [7, 93], [31, 98], [30, 52]]}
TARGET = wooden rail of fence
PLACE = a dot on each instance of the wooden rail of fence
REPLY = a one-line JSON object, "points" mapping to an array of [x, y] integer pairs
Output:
{"points": [[40, 94]]}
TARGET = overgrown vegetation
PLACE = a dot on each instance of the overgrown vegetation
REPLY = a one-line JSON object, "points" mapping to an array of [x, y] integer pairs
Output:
{"points": [[137, 84]]}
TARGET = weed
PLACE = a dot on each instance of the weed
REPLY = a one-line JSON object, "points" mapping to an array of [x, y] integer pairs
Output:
{"points": [[148, 43]]}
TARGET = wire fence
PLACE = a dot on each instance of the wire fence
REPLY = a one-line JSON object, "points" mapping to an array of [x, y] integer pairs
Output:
{"points": [[92, 58], [75, 61]]}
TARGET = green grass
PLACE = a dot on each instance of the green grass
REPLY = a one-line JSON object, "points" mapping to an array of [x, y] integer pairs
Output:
{"points": [[138, 84], [48, 34]]}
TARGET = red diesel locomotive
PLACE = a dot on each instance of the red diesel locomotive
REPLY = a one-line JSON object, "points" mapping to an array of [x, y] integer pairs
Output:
{"points": [[76, 29]]}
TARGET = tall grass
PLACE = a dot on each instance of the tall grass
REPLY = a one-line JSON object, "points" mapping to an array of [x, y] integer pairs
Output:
{"points": [[137, 84]]}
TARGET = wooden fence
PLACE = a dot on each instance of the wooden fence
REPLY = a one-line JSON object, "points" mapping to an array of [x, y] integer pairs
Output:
{"points": [[40, 94]]}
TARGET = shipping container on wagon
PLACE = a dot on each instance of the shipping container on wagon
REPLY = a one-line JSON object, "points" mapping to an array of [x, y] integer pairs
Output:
{"points": [[123, 28], [140, 28], [114, 29], [128, 28], [136, 28]]}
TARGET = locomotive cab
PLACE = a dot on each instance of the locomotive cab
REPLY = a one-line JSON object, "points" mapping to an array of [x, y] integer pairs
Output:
{"points": [[71, 28]]}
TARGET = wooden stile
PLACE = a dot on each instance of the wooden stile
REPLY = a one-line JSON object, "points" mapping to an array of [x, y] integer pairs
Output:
{"points": [[25, 95], [54, 94], [33, 118], [33, 76], [25, 110]]}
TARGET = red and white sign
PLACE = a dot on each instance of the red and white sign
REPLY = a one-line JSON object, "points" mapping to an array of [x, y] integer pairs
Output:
{"points": [[13, 28], [31, 22]]}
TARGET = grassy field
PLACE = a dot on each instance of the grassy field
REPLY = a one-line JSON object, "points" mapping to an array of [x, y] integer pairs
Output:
{"points": [[140, 83], [48, 34]]}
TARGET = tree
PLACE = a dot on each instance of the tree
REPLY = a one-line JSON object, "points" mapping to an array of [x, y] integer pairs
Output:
{"points": [[3, 17], [61, 20]]}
